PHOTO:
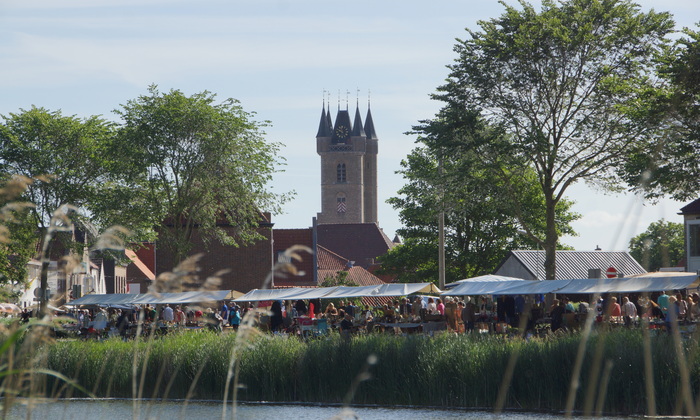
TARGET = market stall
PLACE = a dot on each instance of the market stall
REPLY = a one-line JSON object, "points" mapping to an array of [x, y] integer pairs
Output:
{"points": [[130, 299]]}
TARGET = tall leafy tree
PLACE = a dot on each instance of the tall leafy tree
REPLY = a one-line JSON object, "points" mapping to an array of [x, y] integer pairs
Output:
{"points": [[661, 245], [562, 84], [64, 156], [447, 174], [667, 163], [190, 162]]}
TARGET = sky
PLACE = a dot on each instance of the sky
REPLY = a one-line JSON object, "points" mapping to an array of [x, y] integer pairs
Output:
{"points": [[278, 57]]}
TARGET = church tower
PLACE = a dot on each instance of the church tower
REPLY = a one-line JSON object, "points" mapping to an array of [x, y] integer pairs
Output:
{"points": [[348, 168]]}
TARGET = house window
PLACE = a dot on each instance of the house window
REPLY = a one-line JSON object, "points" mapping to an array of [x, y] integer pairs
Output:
{"points": [[342, 208], [340, 173], [694, 240]]}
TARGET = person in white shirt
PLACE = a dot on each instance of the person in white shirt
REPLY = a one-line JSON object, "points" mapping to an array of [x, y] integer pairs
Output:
{"points": [[168, 315], [629, 311]]}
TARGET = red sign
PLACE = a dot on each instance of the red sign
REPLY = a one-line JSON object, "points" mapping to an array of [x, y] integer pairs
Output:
{"points": [[611, 273]]}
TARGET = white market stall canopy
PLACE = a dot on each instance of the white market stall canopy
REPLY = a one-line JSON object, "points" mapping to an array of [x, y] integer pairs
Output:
{"points": [[126, 299], [487, 277], [338, 292], [648, 282], [472, 288]]}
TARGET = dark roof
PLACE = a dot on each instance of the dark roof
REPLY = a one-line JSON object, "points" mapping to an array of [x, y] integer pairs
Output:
{"points": [[329, 121], [323, 129], [358, 242], [575, 264], [369, 126], [341, 120], [692, 208], [357, 130]]}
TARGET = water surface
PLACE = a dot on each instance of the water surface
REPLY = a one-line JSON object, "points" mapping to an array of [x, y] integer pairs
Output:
{"points": [[114, 409]]}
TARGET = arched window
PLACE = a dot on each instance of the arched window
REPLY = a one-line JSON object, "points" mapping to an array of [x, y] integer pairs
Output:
{"points": [[340, 173], [342, 207]]}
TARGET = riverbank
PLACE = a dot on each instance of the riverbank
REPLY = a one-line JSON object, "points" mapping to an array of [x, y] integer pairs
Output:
{"points": [[441, 371]]}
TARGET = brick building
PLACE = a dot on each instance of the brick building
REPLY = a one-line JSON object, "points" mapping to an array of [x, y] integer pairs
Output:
{"points": [[240, 268]]}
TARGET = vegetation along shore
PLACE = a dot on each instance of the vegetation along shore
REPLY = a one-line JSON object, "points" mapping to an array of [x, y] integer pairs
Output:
{"points": [[444, 371]]}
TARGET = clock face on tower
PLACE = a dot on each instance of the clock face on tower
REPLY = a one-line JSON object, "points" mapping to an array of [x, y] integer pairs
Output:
{"points": [[342, 132]]}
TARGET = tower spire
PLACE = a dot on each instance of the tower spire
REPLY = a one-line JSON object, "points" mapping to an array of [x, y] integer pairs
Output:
{"points": [[369, 123], [357, 129], [323, 129]]}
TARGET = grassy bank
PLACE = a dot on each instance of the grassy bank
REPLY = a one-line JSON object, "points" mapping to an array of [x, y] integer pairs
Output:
{"points": [[464, 371]]}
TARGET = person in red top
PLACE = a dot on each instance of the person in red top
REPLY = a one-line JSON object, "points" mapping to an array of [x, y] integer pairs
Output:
{"points": [[179, 316], [615, 309]]}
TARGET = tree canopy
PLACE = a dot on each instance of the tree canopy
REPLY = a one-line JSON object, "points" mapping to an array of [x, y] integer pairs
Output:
{"points": [[193, 162], [662, 244], [64, 155], [172, 163], [447, 174], [666, 162], [563, 84]]}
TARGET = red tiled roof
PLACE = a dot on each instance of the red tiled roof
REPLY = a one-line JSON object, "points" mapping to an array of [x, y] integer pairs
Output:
{"points": [[358, 242], [386, 278], [357, 275], [329, 260]]}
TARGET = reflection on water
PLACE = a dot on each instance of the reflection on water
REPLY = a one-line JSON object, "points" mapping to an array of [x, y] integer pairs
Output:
{"points": [[123, 409]]}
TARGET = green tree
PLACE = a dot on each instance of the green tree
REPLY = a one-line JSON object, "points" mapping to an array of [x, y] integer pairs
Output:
{"points": [[667, 162], [18, 238], [661, 245], [64, 155], [447, 173], [562, 84], [190, 162]]}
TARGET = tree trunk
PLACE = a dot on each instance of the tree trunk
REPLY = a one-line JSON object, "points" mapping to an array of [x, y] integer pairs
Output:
{"points": [[551, 239], [44, 277]]}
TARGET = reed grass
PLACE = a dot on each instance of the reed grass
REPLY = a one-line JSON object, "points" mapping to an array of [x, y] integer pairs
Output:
{"points": [[444, 371]]}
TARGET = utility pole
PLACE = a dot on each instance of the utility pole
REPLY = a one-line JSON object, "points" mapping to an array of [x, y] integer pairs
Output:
{"points": [[441, 228]]}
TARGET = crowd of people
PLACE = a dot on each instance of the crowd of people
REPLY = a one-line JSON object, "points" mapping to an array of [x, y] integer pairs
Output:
{"points": [[456, 314], [96, 322], [663, 307]]}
